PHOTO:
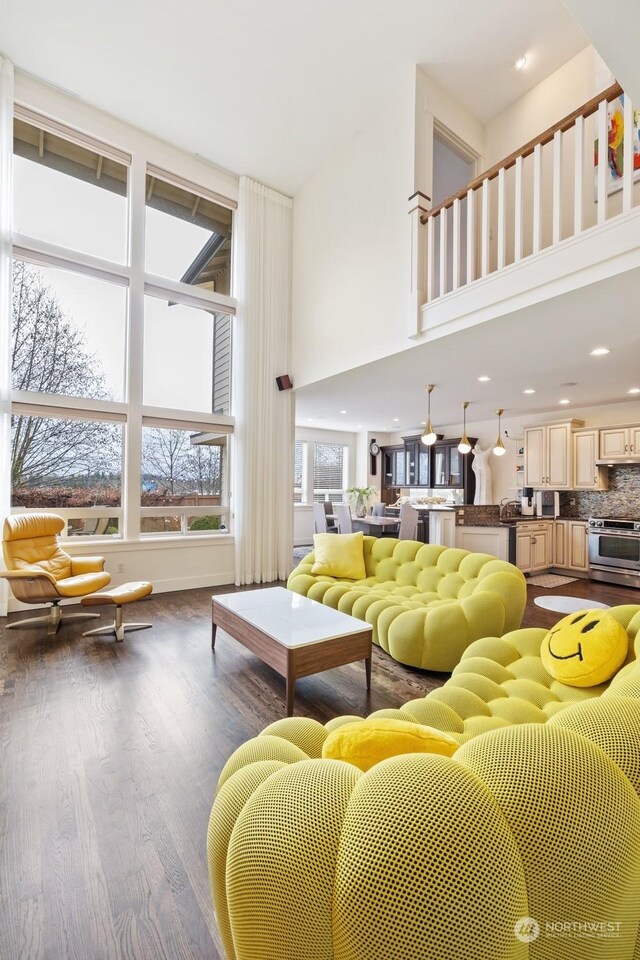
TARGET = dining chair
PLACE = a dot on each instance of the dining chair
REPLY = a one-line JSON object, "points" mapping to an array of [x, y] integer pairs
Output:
{"points": [[343, 513], [409, 517], [378, 509], [332, 526], [320, 518]]}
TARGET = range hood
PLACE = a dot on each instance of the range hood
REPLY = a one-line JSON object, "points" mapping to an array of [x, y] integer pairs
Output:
{"points": [[619, 462]]}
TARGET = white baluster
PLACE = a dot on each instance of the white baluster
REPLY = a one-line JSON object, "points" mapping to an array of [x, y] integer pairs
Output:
{"points": [[603, 166], [431, 261], [627, 156], [484, 241], [443, 251], [557, 187], [456, 244], [502, 218], [471, 236], [517, 229], [537, 198], [578, 175]]}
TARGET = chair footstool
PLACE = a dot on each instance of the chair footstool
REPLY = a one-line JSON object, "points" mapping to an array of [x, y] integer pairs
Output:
{"points": [[117, 597]]}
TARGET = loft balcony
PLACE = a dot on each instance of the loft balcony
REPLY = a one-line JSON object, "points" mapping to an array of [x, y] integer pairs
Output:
{"points": [[556, 215]]}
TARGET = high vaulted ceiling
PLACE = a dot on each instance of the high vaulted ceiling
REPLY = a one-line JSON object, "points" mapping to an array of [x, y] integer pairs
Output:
{"points": [[270, 89]]}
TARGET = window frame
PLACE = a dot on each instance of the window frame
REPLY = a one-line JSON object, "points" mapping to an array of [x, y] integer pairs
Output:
{"points": [[131, 274]]}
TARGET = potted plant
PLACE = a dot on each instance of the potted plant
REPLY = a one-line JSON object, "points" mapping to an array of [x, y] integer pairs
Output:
{"points": [[359, 498]]}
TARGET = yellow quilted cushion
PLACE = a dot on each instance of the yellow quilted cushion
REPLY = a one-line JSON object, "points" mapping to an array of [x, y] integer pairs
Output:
{"points": [[367, 742], [339, 555], [584, 649]]}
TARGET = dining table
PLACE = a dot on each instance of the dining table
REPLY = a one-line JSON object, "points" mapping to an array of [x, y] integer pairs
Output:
{"points": [[375, 526]]}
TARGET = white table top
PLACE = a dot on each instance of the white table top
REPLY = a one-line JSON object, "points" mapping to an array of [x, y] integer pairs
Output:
{"points": [[288, 617], [568, 604]]}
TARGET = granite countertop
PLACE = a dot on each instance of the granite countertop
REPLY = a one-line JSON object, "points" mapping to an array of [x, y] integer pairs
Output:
{"points": [[513, 522]]}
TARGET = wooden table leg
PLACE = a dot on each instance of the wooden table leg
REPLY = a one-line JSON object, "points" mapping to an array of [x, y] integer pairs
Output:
{"points": [[367, 668], [291, 693], [214, 627]]}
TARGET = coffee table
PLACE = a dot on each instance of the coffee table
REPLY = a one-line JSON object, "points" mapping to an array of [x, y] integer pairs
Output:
{"points": [[292, 634]]}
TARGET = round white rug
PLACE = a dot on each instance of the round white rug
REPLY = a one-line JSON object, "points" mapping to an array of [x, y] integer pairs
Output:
{"points": [[568, 604]]}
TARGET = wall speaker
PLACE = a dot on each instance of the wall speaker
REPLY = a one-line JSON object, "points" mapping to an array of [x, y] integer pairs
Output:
{"points": [[284, 382]]}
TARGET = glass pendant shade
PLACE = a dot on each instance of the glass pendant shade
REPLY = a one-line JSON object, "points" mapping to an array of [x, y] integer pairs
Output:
{"points": [[429, 436], [464, 446], [499, 448]]}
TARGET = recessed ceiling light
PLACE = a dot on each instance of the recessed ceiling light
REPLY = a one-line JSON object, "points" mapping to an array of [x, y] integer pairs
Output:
{"points": [[484, 379], [423, 423], [396, 419], [343, 411], [520, 63], [529, 390], [565, 400], [634, 390], [359, 427], [309, 419], [600, 352]]}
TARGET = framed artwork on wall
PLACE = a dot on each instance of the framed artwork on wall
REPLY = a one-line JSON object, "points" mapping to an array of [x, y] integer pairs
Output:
{"points": [[615, 148]]}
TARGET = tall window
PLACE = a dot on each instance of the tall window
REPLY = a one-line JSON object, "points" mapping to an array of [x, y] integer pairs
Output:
{"points": [[329, 470], [299, 464], [82, 333]]}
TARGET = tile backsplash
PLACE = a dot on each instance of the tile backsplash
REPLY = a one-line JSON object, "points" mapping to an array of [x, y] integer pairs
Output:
{"points": [[622, 499]]}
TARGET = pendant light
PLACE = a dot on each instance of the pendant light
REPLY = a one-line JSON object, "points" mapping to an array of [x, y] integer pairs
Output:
{"points": [[429, 436], [499, 448], [464, 446]]}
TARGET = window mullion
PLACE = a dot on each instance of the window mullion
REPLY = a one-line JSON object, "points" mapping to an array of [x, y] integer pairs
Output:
{"points": [[132, 484]]}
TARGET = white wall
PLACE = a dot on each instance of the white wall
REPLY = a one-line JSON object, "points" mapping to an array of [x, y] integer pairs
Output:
{"points": [[351, 246]]}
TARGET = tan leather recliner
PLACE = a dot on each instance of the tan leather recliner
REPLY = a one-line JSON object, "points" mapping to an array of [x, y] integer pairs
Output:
{"points": [[39, 571]]}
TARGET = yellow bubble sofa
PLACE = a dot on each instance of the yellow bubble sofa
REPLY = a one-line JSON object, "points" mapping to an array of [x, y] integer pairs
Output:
{"points": [[524, 844], [426, 603]]}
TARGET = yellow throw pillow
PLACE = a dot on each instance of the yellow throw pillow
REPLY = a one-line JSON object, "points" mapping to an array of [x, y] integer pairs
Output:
{"points": [[339, 555], [584, 649], [367, 742]]}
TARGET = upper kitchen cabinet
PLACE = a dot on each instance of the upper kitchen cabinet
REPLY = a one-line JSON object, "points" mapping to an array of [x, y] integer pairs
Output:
{"points": [[548, 455], [450, 468], [619, 443], [587, 475], [418, 462]]}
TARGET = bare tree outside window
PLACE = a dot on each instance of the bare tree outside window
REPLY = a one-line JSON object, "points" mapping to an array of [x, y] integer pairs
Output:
{"points": [[49, 355]]}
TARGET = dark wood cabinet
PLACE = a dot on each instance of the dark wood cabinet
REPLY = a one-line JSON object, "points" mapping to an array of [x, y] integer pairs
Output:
{"points": [[440, 466]]}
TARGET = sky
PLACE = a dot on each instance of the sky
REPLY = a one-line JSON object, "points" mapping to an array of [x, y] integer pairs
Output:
{"points": [[52, 206]]}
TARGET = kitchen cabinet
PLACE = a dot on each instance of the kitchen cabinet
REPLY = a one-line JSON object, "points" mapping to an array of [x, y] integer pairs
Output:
{"points": [[450, 468], [442, 528], [617, 443], [418, 463], [570, 545], [586, 474], [492, 540], [533, 546], [548, 455]]}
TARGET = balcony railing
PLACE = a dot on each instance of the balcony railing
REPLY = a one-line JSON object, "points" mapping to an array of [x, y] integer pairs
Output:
{"points": [[554, 188]]}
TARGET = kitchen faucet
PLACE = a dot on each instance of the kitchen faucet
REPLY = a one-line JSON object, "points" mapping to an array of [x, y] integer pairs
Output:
{"points": [[508, 508]]}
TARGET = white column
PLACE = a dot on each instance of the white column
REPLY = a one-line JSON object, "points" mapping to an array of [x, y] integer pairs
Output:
{"points": [[6, 169], [419, 204]]}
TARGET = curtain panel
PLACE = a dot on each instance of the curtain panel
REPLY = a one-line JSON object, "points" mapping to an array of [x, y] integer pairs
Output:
{"points": [[6, 205], [262, 468]]}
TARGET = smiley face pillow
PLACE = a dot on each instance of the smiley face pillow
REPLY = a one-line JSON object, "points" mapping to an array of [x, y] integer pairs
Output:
{"points": [[585, 649]]}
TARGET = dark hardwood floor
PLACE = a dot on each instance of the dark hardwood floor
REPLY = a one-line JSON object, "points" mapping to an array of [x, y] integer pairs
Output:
{"points": [[110, 754]]}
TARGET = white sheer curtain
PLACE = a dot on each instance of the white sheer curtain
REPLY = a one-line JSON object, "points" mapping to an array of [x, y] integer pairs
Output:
{"points": [[262, 473], [6, 163]]}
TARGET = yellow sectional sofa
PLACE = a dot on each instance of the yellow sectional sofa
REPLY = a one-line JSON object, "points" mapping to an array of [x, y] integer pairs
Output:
{"points": [[426, 603], [523, 844]]}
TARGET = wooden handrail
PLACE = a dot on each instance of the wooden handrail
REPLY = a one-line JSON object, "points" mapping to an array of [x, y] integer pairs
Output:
{"points": [[586, 110]]}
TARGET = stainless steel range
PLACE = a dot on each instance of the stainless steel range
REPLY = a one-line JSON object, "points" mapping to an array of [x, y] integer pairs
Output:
{"points": [[614, 550]]}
